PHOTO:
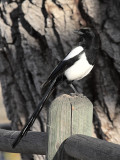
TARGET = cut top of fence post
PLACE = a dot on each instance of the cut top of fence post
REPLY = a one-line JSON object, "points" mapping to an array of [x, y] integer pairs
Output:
{"points": [[68, 115]]}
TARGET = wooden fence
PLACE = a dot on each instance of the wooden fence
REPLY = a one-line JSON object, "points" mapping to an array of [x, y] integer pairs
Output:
{"points": [[68, 136]]}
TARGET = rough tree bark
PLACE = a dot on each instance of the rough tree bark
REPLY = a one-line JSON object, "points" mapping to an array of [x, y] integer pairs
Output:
{"points": [[35, 35]]}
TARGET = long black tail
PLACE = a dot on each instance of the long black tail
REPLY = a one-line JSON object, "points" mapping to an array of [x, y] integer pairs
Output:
{"points": [[26, 128]]}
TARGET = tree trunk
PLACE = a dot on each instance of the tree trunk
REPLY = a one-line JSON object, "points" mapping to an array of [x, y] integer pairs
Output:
{"points": [[35, 35]]}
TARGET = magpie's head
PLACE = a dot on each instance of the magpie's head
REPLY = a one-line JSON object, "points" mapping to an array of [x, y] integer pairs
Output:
{"points": [[87, 36]]}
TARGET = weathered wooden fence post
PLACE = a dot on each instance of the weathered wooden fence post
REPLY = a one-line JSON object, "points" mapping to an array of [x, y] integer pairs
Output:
{"points": [[68, 115]]}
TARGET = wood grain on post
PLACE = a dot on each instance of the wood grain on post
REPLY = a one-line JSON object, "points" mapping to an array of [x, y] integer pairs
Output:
{"points": [[68, 115]]}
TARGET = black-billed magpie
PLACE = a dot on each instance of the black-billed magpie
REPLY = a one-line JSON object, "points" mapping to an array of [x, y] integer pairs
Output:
{"points": [[75, 66]]}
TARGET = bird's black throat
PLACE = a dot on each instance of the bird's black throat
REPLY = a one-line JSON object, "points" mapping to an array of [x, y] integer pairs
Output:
{"points": [[91, 55], [92, 49]]}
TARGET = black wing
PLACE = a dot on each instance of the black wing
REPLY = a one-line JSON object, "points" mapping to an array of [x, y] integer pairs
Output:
{"points": [[60, 68]]}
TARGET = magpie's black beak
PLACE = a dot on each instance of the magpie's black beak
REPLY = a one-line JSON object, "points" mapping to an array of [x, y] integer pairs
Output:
{"points": [[78, 32]]}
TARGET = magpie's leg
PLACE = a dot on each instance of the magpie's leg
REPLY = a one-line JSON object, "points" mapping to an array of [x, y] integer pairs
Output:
{"points": [[74, 89], [30, 122], [72, 86]]}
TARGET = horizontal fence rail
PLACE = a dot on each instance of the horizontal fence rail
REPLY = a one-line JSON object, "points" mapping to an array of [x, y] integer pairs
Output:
{"points": [[77, 146], [33, 142], [89, 148], [5, 126]]}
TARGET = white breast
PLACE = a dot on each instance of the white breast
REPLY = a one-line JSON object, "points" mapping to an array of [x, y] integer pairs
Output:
{"points": [[79, 69]]}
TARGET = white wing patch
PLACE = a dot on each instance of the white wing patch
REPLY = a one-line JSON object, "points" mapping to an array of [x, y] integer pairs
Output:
{"points": [[79, 69], [74, 52]]}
